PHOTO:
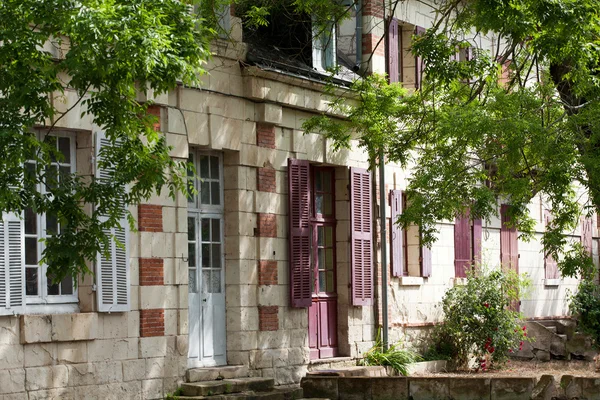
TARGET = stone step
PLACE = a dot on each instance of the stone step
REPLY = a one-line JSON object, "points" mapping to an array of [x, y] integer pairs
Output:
{"points": [[372, 371], [214, 373], [293, 392], [551, 328], [563, 337], [227, 386]]}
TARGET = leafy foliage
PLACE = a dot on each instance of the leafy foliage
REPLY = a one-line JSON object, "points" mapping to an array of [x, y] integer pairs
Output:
{"points": [[585, 306], [479, 320], [395, 357], [99, 52]]}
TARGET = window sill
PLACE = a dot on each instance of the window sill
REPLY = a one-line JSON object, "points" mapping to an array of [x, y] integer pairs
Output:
{"points": [[63, 308], [459, 281], [411, 281], [552, 282]]}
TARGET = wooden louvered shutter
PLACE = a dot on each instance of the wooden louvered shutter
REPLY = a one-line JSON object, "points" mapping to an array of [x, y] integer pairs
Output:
{"points": [[550, 264], [419, 62], [462, 245], [509, 255], [426, 261], [396, 236], [12, 265], [477, 241], [361, 222], [393, 58], [112, 265], [586, 234], [300, 238]]}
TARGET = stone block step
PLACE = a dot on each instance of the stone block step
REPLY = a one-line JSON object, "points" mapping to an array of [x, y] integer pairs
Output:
{"points": [[279, 393], [227, 386], [372, 371], [214, 373], [551, 328], [563, 337]]}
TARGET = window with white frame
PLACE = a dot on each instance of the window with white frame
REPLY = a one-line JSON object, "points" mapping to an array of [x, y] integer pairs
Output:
{"points": [[39, 288]]}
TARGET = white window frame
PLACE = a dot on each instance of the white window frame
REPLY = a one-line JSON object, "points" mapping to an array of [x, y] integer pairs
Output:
{"points": [[196, 205], [43, 298]]}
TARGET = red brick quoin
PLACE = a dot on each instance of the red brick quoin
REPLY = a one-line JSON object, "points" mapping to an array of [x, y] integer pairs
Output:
{"points": [[150, 218], [152, 322], [266, 179], [152, 271], [265, 135], [266, 225], [267, 272], [268, 318]]}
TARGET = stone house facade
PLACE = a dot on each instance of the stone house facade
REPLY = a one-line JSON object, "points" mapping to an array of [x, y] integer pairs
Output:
{"points": [[271, 265]]}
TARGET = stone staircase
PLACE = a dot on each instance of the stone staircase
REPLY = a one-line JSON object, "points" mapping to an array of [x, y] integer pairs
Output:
{"points": [[233, 383], [555, 339]]}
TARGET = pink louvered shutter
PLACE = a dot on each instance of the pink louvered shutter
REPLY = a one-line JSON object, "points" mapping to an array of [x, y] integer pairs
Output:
{"points": [[509, 255], [396, 236], [477, 241], [419, 62], [426, 262], [361, 236], [462, 245], [393, 59], [550, 265], [586, 234], [299, 211]]}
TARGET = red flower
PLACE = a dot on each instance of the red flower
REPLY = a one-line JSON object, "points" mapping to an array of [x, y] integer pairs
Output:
{"points": [[510, 351], [524, 328], [486, 305], [524, 334], [491, 349]]}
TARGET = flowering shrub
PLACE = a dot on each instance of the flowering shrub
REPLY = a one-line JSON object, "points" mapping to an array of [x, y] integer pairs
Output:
{"points": [[479, 320]]}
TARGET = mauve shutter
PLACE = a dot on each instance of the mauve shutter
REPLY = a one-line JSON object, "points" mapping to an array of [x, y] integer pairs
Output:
{"points": [[419, 67], [509, 255], [477, 239], [396, 236], [393, 59], [299, 211], [462, 245], [586, 234], [361, 237], [550, 265]]}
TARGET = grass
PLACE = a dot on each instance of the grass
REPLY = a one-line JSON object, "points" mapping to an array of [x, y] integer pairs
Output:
{"points": [[395, 357]]}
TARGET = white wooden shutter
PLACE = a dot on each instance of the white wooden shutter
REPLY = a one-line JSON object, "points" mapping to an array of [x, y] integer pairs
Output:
{"points": [[12, 267], [112, 266]]}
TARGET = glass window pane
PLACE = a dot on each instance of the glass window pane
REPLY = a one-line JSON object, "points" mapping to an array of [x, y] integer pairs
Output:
{"points": [[192, 286], [66, 286], [204, 167], [65, 173], [320, 236], [216, 281], [191, 179], [319, 204], [329, 285], [51, 178], [329, 259], [216, 230], [321, 258], [322, 283], [318, 183], [206, 281], [216, 256], [328, 236], [30, 175], [191, 228], [205, 255], [51, 224], [192, 254], [326, 181], [52, 289], [205, 192], [327, 208], [31, 281], [214, 167], [215, 193], [30, 221], [31, 256], [64, 146], [205, 232]]}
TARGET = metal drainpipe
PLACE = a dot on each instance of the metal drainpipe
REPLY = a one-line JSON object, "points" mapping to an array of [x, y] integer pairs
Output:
{"points": [[358, 33]]}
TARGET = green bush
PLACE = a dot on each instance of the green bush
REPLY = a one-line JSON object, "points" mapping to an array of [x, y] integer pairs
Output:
{"points": [[479, 320], [395, 357], [585, 307]]}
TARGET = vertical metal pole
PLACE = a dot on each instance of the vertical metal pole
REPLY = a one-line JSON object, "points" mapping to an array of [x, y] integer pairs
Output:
{"points": [[384, 271]]}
